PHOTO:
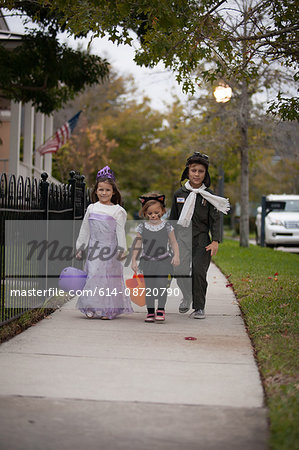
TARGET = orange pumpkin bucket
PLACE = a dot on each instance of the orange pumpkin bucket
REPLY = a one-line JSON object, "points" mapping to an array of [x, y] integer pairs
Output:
{"points": [[136, 285]]}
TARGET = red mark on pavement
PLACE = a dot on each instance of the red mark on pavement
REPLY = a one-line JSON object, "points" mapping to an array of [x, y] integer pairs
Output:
{"points": [[190, 338]]}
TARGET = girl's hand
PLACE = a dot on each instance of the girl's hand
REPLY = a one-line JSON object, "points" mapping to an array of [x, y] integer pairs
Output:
{"points": [[175, 260], [121, 254], [213, 246], [134, 267], [79, 255]]}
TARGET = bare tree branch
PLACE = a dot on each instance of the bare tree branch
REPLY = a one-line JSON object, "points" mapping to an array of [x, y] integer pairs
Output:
{"points": [[265, 35]]}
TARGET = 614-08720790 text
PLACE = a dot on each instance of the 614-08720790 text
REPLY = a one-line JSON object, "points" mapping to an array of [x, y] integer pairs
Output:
{"points": [[139, 291]]}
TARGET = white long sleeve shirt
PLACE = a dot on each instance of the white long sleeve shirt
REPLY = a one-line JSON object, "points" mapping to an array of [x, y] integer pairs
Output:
{"points": [[115, 211]]}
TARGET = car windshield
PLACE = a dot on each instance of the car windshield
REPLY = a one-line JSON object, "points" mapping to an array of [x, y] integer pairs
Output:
{"points": [[292, 205], [285, 205]]}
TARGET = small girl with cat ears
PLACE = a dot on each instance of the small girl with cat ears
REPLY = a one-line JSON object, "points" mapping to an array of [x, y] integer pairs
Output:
{"points": [[156, 260]]}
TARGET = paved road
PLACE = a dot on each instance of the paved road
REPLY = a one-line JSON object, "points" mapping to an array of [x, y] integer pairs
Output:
{"points": [[73, 383]]}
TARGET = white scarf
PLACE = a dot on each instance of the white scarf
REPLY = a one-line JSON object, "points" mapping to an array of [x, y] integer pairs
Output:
{"points": [[220, 203]]}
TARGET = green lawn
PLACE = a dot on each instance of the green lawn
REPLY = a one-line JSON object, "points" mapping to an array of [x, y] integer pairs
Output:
{"points": [[266, 283]]}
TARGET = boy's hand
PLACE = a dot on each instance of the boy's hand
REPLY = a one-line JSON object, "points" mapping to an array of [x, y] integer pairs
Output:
{"points": [[213, 246], [175, 260]]}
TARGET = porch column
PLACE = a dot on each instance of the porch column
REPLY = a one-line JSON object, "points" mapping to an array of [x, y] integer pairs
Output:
{"points": [[39, 140], [48, 134], [14, 139], [28, 137]]}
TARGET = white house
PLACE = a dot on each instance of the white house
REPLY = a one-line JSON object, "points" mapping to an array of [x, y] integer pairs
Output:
{"points": [[18, 120]]}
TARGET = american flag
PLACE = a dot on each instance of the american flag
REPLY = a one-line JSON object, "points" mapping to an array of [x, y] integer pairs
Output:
{"points": [[61, 136]]}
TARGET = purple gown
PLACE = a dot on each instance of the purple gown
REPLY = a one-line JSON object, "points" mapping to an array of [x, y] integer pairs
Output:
{"points": [[105, 283]]}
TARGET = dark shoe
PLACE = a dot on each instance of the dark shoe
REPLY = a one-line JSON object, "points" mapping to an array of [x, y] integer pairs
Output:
{"points": [[198, 314], [184, 306]]}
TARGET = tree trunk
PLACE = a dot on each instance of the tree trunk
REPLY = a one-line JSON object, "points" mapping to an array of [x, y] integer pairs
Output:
{"points": [[244, 217], [244, 116]]}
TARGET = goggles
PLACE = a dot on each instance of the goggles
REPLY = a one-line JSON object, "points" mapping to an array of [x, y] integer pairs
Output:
{"points": [[198, 155]]}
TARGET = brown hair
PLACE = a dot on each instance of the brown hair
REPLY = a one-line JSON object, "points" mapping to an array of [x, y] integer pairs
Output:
{"points": [[142, 212], [116, 197]]}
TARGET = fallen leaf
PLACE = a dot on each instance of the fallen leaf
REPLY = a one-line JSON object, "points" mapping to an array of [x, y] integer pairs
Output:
{"points": [[190, 338], [229, 285]]}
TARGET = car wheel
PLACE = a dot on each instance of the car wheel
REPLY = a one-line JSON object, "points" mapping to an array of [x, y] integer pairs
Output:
{"points": [[269, 245]]}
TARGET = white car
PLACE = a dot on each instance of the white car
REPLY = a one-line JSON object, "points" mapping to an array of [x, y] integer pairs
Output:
{"points": [[281, 221]]}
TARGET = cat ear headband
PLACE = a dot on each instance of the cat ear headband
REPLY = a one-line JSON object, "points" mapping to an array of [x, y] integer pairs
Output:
{"points": [[160, 198]]}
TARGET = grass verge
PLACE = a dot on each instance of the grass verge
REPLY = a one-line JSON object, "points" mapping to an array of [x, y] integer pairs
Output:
{"points": [[266, 284], [29, 318]]}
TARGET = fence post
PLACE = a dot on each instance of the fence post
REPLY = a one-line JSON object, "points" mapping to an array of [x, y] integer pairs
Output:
{"points": [[44, 204], [263, 215], [78, 202], [83, 202], [44, 195], [3, 204], [72, 183]]}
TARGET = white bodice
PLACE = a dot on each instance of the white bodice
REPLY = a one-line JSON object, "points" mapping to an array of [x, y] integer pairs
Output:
{"points": [[115, 211]]}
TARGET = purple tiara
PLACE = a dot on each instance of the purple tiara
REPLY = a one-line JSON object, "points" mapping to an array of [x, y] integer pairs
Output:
{"points": [[106, 172]]}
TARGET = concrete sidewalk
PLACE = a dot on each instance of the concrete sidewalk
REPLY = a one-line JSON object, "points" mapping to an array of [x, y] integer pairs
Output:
{"points": [[73, 383]]}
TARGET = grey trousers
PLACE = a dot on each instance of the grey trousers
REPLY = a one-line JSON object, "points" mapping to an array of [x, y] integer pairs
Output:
{"points": [[191, 274], [156, 288]]}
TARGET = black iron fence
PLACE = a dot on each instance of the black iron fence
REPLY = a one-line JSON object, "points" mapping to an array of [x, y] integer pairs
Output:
{"points": [[35, 208]]}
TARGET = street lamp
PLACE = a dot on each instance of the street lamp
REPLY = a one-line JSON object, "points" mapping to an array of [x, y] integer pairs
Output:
{"points": [[222, 94]]}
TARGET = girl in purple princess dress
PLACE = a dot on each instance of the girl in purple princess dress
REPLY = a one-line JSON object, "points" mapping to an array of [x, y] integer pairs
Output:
{"points": [[102, 233]]}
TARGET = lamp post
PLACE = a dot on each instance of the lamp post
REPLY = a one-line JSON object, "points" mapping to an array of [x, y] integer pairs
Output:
{"points": [[222, 94]]}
